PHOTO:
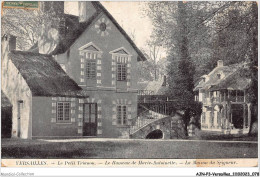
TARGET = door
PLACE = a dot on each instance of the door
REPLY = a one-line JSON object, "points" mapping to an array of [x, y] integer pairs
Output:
{"points": [[90, 119], [20, 104], [237, 115]]}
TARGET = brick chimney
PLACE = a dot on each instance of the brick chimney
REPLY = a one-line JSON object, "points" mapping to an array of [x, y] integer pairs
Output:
{"points": [[86, 10], [12, 42], [220, 63], [53, 6], [8, 44]]}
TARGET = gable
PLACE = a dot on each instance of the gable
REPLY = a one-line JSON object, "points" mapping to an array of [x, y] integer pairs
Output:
{"points": [[65, 44], [91, 47], [120, 50]]}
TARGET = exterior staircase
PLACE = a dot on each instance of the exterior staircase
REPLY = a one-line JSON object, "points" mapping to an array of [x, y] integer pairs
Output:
{"points": [[145, 118]]}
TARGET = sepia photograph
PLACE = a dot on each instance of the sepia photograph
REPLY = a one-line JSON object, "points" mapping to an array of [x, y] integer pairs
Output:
{"points": [[155, 83]]}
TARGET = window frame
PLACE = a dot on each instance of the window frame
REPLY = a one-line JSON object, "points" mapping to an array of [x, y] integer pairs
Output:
{"points": [[90, 112], [121, 115], [91, 69], [63, 120], [122, 74]]}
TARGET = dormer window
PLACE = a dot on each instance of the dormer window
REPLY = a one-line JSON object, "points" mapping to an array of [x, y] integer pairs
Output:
{"points": [[90, 63], [90, 69], [121, 72], [121, 64], [220, 75]]}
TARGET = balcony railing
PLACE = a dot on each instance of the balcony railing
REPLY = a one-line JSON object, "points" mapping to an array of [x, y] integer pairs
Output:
{"points": [[145, 92], [237, 98], [209, 101]]}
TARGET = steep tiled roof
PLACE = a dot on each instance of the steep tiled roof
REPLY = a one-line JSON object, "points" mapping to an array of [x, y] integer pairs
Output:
{"points": [[44, 75], [212, 77], [65, 43], [155, 86], [238, 80]]}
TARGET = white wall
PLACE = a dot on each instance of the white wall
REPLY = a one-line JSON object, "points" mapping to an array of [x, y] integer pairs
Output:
{"points": [[15, 88]]}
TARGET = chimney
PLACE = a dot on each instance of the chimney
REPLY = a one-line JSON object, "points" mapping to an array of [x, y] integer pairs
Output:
{"points": [[58, 7], [164, 81], [82, 11], [54, 6], [86, 10], [12, 42], [220, 63]]}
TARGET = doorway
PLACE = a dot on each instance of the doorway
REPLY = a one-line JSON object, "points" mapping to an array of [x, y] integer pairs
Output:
{"points": [[20, 105], [90, 119], [237, 115]]}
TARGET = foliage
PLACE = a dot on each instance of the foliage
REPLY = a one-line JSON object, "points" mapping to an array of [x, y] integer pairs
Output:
{"points": [[197, 34], [155, 65], [28, 25]]}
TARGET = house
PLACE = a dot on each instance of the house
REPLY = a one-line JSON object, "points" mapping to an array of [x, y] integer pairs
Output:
{"points": [[224, 95], [45, 99], [98, 60]]}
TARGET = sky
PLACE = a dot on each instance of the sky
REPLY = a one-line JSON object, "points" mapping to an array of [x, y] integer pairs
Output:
{"points": [[128, 14]]}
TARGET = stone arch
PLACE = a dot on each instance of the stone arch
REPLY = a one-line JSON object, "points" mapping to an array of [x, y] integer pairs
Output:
{"points": [[155, 134], [163, 125]]}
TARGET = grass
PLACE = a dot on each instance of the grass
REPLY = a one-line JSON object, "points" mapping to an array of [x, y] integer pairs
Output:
{"points": [[208, 135], [135, 149]]}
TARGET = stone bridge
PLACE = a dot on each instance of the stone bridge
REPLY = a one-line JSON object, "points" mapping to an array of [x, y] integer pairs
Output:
{"points": [[167, 127]]}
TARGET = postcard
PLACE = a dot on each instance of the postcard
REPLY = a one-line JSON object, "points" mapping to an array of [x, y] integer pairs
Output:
{"points": [[129, 84]]}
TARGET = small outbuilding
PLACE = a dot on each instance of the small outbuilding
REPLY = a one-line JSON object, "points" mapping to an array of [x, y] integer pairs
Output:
{"points": [[46, 102]]}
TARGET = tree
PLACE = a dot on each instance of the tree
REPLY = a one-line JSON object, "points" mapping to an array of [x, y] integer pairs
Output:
{"points": [[253, 89], [173, 23], [197, 34], [236, 42], [154, 56], [181, 69], [29, 25], [145, 69]]}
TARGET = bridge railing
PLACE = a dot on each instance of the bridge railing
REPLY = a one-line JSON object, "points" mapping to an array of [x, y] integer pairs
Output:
{"points": [[147, 117]]}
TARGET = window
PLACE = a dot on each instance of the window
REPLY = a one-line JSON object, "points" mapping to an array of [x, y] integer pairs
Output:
{"points": [[121, 71], [212, 120], [90, 69], [63, 112], [90, 112], [121, 115]]}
